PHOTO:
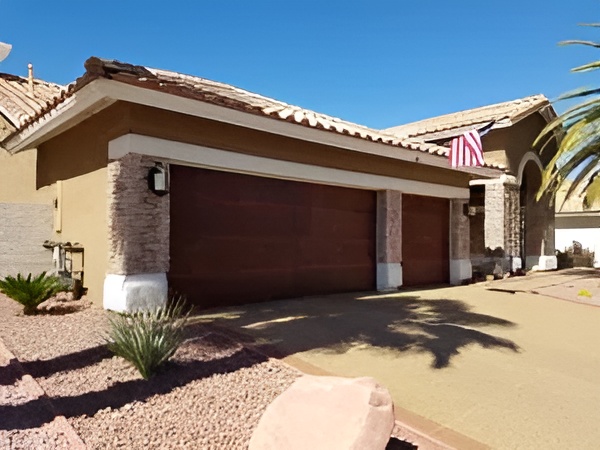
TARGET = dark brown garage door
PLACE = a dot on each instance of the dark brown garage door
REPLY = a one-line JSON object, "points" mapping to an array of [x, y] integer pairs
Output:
{"points": [[239, 238], [425, 239]]}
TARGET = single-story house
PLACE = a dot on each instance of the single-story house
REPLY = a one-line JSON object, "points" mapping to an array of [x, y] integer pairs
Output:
{"points": [[169, 182]]}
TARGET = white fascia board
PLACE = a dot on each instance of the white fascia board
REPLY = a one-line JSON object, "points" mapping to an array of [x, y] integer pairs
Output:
{"points": [[503, 179], [210, 158], [75, 109]]}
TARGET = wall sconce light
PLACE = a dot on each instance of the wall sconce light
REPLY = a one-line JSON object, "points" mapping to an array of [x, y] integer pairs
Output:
{"points": [[158, 179]]}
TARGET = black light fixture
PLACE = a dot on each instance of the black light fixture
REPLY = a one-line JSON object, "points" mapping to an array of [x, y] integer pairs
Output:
{"points": [[158, 179]]}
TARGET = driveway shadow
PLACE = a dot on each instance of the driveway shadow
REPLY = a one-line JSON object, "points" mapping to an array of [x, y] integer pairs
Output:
{"points": [[335, 324]]}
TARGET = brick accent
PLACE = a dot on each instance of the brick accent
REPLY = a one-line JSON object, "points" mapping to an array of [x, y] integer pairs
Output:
{"points": [[23, 230], [138, 220]]}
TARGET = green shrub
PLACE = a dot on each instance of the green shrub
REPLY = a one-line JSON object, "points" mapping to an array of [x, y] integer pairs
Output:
{"points": [[30, 292], [147, 339]]}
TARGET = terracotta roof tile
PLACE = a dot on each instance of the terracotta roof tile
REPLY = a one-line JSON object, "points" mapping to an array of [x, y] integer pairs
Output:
{"points": [[503, 114], [19, 105], [235, 98]]}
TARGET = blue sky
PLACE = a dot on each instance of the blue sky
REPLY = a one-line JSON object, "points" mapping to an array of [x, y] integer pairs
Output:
{"points": [[378, 63]]}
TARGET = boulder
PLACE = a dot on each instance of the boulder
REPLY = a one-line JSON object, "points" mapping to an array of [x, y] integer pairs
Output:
{"points": [[328, 413]]}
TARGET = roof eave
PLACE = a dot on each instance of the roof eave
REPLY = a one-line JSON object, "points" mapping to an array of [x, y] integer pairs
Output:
{"points": [[70, 112], [543, 107], [99, 93]]}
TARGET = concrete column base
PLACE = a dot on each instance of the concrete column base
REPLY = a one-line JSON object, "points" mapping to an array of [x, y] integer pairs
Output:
{"points": [[460, 270], [548, 263], [389, 276], [517, 263], [129, 293]]}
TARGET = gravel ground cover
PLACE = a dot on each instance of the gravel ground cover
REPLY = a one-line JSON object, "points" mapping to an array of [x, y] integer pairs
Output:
{"points": [[209, 396]]}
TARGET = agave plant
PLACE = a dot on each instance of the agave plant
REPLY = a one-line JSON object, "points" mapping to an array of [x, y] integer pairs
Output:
{"points": [[577, 161], [32, 291], [148, 338]]}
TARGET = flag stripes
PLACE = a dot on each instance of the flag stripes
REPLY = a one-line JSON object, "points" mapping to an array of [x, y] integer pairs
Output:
{"points": [[466, 150]]}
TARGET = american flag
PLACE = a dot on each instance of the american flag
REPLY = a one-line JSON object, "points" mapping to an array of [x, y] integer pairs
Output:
{"points": [[466, 150]]}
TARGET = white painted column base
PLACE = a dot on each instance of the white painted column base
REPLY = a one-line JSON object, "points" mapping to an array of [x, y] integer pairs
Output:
{"points": [[460, 270], [548, 263], [517, 263], [389, 276], [129, 293]]}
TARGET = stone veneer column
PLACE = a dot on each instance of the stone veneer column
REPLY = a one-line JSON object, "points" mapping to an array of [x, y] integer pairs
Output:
{"points": [[138, 233], [460, 242], [502, 227], [389, 240], [512, 219]]}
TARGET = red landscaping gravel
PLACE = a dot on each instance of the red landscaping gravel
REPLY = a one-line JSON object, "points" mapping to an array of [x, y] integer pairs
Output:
{"points": [[209, 396]]}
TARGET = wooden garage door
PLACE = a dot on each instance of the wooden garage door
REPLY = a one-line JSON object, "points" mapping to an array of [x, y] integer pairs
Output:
{"points": [[425, 240], [238, 238]]}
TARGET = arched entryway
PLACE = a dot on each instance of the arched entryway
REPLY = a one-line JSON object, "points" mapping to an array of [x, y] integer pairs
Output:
{"points": [[537, 216]]}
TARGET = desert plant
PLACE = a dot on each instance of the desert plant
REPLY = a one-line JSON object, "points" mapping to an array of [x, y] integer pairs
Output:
{"points": [[577, 160], [148, 338], [32, 291]]}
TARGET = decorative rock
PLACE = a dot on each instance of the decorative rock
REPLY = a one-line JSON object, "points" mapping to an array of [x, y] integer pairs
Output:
{"points": [[327, 413]]}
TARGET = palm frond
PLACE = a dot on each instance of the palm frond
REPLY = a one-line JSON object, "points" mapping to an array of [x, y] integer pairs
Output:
{"points": [[587, 67], [580, 42]]}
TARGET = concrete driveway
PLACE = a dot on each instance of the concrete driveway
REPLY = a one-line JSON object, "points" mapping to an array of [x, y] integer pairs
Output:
{"points": [[468, 365]]}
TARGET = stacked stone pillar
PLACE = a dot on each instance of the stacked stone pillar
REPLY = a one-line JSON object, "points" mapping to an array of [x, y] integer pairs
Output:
{"points": [[138, 235], [389, 240], [460, 255], [502, 229]]}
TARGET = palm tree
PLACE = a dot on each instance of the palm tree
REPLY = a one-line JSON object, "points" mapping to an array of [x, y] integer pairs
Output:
{"points": [[577, 160]]}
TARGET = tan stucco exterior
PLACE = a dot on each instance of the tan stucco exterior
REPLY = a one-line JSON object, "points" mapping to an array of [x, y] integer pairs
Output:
{"points": [[84, 214], [193, 130], [18, 180], [79, 158], [508, 145]]}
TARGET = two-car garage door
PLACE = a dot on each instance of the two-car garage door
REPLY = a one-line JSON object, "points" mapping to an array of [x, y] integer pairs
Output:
{"points": [[239, 238]]}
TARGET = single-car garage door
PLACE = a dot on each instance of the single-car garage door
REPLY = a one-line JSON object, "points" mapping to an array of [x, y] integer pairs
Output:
{"points": [[425, 240], [239, 238]]}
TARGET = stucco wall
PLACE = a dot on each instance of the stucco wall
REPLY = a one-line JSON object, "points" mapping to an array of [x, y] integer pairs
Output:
{"points": [[78, 159], [18, 179], [516, 141], [83, 211], [183, 128]]}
